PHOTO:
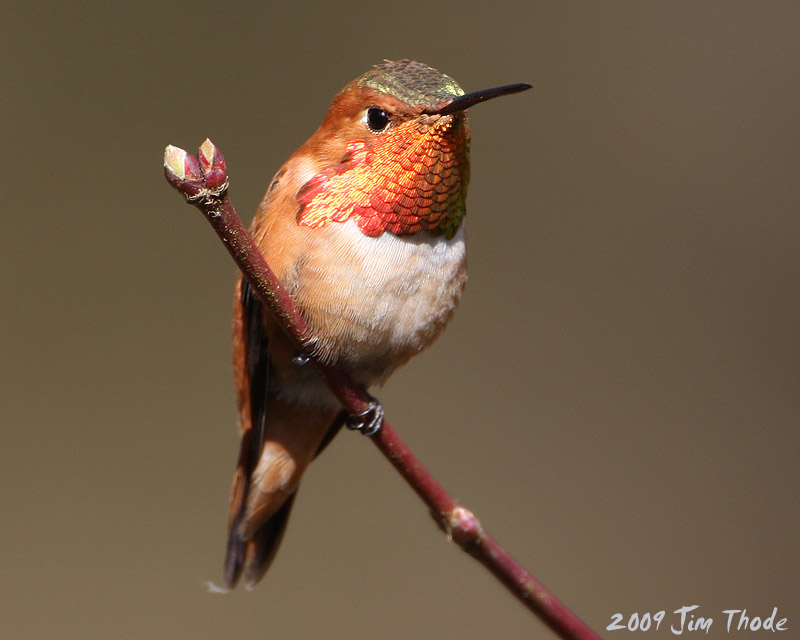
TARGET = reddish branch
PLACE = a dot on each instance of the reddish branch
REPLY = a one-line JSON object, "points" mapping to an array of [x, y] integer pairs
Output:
{"points": [[204, 183]]}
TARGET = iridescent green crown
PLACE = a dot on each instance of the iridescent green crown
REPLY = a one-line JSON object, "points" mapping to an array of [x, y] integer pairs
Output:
{"points": [[416, 84]]}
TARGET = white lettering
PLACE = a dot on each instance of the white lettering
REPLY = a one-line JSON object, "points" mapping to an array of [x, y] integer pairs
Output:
{"points": [[683, 611]]}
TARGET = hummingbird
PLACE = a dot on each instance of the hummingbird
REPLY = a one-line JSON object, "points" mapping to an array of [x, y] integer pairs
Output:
{"points": [[364, 227]]}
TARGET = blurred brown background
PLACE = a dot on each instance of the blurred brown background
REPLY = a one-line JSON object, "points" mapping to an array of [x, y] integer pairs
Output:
{"points": [[617, 398]]}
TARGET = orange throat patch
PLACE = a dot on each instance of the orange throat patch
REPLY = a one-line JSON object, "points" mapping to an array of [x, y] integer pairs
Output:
{"points": [[413, 178]]}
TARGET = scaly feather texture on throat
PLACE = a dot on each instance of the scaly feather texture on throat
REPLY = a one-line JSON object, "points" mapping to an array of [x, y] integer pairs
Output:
{"points": [[411, 179]]}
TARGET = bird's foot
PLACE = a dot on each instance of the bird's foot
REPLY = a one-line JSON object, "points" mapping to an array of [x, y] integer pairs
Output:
{"points": [[300, 359], [303, 357], [369, 421]]}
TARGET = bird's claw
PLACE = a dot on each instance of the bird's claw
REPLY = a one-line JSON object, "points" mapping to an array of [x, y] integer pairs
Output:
{"points": [[300, 359], [369, 421], [309, 347]]}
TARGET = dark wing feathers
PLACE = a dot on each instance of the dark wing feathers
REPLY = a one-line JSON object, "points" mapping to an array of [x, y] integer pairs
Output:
{"points": [[256, 362], [254, 556]]}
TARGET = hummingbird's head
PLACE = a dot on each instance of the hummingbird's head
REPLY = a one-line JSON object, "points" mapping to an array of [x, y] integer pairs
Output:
{"points": [[394, 148], [414, 84]]}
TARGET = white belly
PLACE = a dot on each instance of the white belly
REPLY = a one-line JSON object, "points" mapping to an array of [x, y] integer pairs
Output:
{"points": [[379, 301]]}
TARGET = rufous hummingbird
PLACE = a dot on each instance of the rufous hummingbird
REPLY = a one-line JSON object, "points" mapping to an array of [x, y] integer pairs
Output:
{"points": [[364, 227]]}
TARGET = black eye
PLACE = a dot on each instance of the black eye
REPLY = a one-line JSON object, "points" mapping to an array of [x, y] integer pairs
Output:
{"points": [[377, 119]]}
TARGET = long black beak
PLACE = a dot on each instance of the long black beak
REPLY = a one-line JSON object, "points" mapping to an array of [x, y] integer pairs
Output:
{"points": [[469, 99]]}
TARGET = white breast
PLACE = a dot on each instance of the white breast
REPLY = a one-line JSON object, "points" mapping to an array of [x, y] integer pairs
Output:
{"points": [[385, 299]]}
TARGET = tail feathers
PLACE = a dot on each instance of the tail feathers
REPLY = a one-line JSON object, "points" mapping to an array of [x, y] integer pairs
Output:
{"points": [[253, 557]]}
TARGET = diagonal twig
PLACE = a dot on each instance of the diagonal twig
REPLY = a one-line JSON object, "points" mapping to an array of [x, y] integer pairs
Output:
{"points": [[203, 180]]}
